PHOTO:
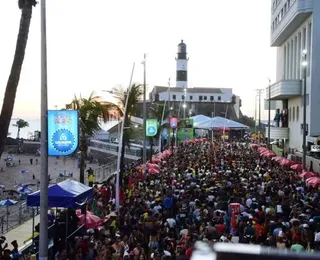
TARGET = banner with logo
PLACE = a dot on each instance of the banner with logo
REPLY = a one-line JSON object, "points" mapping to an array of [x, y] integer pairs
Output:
{"points": [[173, 122], [151, 127], [185, 134], [63, 132]]}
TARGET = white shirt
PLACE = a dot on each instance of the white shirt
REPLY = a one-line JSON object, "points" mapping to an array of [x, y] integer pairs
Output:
{"points": [[171, 222], [249, 202], [317, 236]]}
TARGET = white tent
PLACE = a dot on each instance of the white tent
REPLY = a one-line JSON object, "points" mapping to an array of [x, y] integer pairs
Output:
{"points": [[199, 119], [220, 122]]}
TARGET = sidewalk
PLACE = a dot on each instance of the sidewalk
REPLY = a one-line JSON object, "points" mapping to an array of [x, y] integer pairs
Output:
{"points": [[21, 233]]}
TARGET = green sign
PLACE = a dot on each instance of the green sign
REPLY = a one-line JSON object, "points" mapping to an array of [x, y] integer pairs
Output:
{"points": [[186, 123], [151, 127], [185, 134]]}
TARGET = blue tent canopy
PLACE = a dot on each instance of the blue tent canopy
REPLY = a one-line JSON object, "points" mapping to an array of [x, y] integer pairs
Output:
{"points": [[66, 194], [217, 122]]}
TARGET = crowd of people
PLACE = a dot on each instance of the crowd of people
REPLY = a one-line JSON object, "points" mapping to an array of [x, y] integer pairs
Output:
{"points": [[162, 215]]}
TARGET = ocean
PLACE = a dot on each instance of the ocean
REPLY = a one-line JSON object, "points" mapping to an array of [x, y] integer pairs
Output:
{"points": [[35, 125]]}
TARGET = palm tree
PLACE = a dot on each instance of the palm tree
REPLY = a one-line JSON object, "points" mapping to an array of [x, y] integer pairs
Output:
{"points": [[14, 77], [120, 94], [92, 111], [20, 124]]}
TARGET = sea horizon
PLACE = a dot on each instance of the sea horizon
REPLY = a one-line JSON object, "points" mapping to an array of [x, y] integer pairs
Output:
{"points": [[35, 125]]}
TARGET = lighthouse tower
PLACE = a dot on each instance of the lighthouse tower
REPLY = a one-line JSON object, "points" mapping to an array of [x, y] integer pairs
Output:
{"points": [[182, 66]]}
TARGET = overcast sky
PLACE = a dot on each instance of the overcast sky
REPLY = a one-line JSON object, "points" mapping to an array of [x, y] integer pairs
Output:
{"points": [[93, 44]]}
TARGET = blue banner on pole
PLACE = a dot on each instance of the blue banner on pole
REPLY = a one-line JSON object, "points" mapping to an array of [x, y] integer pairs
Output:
{"points": [[63, 132]]}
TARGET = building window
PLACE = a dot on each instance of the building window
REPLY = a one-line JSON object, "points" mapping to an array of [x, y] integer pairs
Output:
{"points": [[219, 98], [183, 96], [298, 113], [191, 97], [174, 97], [200, 98], [293, 113], [205, 98], [290, 114], [211, 98]]}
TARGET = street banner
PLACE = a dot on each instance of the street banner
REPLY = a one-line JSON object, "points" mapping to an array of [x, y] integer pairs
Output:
{"points": [[151, 127], [63, 132]]}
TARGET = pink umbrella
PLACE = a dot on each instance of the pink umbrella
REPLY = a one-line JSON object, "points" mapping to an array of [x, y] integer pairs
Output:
{"points": [[78, 212], [153, 171], [297, 167], [307, 175], [286, 162], [92, 221], [155, 160], [254, 145], [313, 181], [268, 153], [277, 158], [261, 149]]}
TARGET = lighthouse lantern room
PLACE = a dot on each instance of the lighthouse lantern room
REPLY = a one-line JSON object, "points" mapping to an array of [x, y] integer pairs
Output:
{"points": [[182, 66]]}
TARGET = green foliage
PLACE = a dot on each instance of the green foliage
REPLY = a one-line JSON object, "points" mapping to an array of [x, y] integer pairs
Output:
{"points": [[248, 121], [92, 112]]}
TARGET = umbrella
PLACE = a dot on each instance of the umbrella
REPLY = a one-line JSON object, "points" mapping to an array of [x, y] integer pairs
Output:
{"points": [[78, 212], [2, 186], [268, 153], [277, 158], [286, 162], [261, 149], [8, 202], [24, 190], [307, 175], [254, 145], [153, 171], [313, 181], [92, 221], [297, 167], [23, 171]]}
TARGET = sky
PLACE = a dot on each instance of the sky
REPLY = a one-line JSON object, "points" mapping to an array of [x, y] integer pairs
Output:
{"points": [[92, 46]]}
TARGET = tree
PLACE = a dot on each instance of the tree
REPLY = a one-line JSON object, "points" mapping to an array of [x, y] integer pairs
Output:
{"points": [[20, 124], [248, 121], [92, 111], [10, 93], [120, 94]]}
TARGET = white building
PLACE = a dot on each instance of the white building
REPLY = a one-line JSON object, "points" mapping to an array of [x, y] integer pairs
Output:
{"points": [[295, 26]]}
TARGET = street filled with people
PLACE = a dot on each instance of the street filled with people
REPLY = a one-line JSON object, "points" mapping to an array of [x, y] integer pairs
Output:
{"points": [[222, 191]]}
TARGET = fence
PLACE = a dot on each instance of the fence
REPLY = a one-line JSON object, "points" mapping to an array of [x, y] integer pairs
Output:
{"points": [[11, 219], [104, 172]]}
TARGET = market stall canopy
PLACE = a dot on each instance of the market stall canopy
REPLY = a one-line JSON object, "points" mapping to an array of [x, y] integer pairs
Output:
{"points": [[66, 194], [220, 122]]}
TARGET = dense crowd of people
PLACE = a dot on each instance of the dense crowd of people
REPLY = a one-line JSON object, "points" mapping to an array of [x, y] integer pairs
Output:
{"points": [[162, 215]]}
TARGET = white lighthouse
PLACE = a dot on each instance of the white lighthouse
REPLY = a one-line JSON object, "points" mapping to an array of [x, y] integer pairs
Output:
{"points": [[182, 66]]}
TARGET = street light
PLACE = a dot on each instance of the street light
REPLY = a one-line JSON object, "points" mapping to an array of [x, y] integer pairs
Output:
{"points": [[269, 113], [43, 243], [304, 135]]}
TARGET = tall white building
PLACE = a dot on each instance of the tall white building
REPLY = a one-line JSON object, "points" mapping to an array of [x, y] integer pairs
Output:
{"points": [[295, 27]]}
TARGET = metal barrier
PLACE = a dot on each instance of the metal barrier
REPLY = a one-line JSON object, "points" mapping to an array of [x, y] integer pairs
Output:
{"points": [[104, 172], [21, 214], [134, 151]]}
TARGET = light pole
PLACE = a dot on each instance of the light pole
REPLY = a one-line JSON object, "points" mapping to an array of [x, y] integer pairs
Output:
{"points": [[43, 243], [120, 146], [259, 92], [304, 135], [269, 113], [144, 155]]}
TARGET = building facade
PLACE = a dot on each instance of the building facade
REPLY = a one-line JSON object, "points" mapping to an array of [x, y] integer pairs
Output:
{"points": [[295, 29]]}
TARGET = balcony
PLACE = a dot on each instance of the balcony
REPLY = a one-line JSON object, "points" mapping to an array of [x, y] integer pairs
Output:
{"points": [[279, 133], [284, 89], [298, 12]]}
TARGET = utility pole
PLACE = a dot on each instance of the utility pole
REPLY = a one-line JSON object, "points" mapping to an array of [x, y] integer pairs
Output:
{"points": [[269, 114], [43, 243], [259, 93], [144, 156], [304, 135]]}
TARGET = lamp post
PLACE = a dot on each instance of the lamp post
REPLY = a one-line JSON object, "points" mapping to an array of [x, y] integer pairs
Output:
{"points": [[144, 155], [43, 243], [304, 135], [269, 113]]}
